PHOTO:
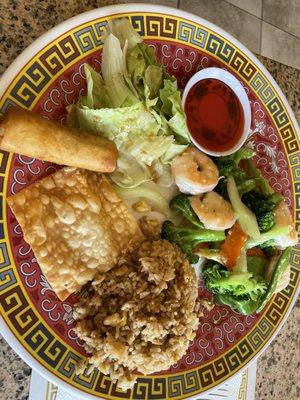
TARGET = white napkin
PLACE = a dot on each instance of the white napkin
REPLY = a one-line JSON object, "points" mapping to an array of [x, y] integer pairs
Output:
{"points": [[240, 387]]}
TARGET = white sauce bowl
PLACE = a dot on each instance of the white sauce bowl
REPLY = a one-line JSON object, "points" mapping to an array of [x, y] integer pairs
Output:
{"points": [[234, 84]]}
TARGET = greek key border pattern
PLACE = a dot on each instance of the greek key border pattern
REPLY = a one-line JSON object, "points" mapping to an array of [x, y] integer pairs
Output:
{"points": [[14, 306]]}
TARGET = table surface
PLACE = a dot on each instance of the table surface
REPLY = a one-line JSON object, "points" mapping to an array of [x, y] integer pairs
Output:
{"points": [[277, 374]]}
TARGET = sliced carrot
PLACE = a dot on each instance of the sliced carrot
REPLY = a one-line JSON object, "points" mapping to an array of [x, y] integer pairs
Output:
{"points": [[256, 251], [233, 244]]}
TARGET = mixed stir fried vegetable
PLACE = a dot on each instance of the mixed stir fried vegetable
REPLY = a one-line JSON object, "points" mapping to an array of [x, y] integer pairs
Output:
{"points": [[245, 263], [224, 212]]}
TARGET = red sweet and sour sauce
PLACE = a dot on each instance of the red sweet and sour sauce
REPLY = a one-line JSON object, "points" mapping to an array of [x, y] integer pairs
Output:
{"points": [[215, 116]]}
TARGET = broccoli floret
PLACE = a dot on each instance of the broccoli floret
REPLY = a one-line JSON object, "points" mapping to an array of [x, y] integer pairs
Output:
{"points": [[187, 249], [265, 221], [241, 304], [269, 248], [240, 290], [263, 206], [229, 166], [187, 238], [244, 153], [181, 205], [270, 251], [268, 243]]}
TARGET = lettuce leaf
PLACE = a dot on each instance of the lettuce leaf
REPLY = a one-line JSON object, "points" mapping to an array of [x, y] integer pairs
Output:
{"points": [[172, 108], [134, 103], [153, 80], [97, 96], [136, 65], [119, 87], [173, 151], [113, 58], [124, 31], [148, 54], [178, 121], [166, 93], [111, 122], [135, 132]]}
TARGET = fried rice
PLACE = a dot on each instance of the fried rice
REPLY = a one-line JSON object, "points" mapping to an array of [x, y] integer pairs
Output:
{"points": [[141, 315]]}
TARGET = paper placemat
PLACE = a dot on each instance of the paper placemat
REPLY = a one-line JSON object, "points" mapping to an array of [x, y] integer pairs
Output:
{"points": [[241, 387]]}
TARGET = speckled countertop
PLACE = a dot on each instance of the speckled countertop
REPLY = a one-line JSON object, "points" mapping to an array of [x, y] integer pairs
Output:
{"points": [[20, 23]]}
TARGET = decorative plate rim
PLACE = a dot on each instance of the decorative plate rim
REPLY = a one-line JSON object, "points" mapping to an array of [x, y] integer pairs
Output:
{"points": [[25, 57]]}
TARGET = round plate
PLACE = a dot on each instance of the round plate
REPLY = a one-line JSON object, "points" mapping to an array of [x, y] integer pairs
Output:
{"points": [[48, 76]]}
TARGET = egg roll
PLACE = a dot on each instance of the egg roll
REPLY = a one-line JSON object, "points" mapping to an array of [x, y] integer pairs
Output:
{"points": [[29, 134]]}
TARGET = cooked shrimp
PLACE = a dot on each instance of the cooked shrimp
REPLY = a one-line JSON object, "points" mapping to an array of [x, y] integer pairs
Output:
{"points": [[283, 218], [194, 172], [213, 211]]}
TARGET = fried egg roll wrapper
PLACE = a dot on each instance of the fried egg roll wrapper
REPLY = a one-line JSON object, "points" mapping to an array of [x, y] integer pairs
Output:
{"points": [[29, 134], [76, 225]]}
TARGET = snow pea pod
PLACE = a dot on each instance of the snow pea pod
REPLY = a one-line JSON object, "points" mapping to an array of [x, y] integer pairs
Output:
{"points": [[280, 267]]}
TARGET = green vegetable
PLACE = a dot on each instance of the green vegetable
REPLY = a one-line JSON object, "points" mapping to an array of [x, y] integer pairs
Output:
{"points": [[284, 278], [188, 238], [243, 305], [124, 31], [245, 186], [261, 181], [256, 265], [268, 248], [268, 236], [166, 94], [256, 192], [188, 250], [246, 217], [279, 269], [149, 56], [238, 289], [263, 206], [153, 80], [97, 95], [229, 166], [181, 205], [120, 91], [163, 173], [243, 153], [172, 108], [173, 151], [136, 66], [136, 104], [142, 143], [113, 123], [145, 73]]}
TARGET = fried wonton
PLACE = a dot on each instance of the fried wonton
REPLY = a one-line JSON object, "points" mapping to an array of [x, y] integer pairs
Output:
{"points": [[76, 225]]}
